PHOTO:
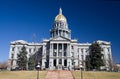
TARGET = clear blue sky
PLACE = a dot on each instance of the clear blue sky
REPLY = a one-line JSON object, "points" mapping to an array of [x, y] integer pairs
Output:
{"points": [[89, 20]]}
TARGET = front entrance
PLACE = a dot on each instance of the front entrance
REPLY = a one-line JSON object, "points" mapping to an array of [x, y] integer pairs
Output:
{"points": [[59, 67]]}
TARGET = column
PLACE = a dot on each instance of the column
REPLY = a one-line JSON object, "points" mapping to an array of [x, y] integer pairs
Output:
{"points": [[62, 49], [58, 33], [68, 50], [43, 60], [51, 64], [57, 49], [68, 63], [51, 48], [57, 60], [62, 62]]}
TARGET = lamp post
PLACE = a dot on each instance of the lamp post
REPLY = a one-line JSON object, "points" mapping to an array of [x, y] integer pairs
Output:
{"points": [[38, 67], [81, 71], [74, 65], [69, 66]]}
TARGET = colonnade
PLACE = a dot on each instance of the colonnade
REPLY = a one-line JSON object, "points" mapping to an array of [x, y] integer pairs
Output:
{"points": [[59, 53]]}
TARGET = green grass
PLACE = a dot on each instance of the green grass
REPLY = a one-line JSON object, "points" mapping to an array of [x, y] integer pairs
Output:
{"points": [[42, 74], [22, 74], [96, 75]]}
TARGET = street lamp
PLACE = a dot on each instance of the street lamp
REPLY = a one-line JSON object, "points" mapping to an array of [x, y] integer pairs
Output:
{"points": [[74, 65], [69, 66], [38, 67], [81, 71]]}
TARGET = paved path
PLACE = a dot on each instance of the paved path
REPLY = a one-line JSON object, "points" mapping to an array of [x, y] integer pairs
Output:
{"points": [[60, 74]]}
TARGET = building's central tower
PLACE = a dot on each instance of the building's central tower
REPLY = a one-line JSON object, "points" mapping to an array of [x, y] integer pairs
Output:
{"points": [[60, 27]]}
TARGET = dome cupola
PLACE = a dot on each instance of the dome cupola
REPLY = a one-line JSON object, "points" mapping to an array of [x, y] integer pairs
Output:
{"points": [[60, 27], [60, 16]]}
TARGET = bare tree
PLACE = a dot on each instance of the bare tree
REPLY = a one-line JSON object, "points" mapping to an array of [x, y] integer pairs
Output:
{"points": [[3, 65]]}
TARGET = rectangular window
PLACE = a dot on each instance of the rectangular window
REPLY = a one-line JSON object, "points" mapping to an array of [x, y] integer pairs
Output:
{"points": [[34, 49], [72, 47], [54, 46], [60, 46], [65, 47], [30, 50], [72, 54], [65, 54], [60, 61], [12, 56], [82, 50], [108, 49], [60, 54], [54, 54], [72, 62], [82, 56], [13, 48]]}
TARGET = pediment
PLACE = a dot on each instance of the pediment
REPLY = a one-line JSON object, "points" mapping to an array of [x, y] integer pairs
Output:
{"points": [[19, 42], [60, 39]]}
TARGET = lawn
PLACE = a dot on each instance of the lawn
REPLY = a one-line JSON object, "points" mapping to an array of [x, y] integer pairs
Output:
{"points": [[96, 75], [22, 74], [42, 74]]}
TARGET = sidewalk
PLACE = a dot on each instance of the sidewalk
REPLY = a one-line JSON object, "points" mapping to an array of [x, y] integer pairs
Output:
{"points": [[60, 74]]}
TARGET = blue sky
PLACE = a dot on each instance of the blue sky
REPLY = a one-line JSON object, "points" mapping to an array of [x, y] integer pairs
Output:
{"points": [[89, 20]]}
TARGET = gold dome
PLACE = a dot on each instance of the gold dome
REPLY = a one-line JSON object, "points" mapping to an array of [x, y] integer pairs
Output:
{"points": [[60, 16]]}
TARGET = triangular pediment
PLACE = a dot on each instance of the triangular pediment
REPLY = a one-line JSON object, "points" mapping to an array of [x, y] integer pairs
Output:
{"points": [[60, 39]]}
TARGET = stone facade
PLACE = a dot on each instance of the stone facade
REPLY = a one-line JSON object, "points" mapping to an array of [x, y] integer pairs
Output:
{"points": [[60, 51]]}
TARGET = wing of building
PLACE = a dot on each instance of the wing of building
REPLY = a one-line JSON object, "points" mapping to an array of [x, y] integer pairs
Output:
{"points": [[60, 51]]}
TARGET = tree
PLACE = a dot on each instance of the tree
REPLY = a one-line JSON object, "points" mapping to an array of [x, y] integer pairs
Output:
{"points": [[22, 58], [110, 62], [96, 57], [31, 62], [87, 62], [3, 65]]}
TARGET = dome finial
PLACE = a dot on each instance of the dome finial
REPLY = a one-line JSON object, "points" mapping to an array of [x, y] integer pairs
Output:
{"points": [[60, 11]]}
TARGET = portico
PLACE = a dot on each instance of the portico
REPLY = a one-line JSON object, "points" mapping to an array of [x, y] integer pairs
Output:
{"points": [[59, 54]]}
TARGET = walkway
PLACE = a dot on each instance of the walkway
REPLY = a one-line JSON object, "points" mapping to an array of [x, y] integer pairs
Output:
{"points": [[60, 74]]}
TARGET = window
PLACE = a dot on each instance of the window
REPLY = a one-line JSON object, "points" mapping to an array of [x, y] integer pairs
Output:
{"points": [[60, 33], [34, 49], [30, 50], [65, 62], [54, 62], [60, 46], [54, 54], [55, 46], [108, 49], [82, 50], [72, 62], [86, 50], [65, 47], [78, 50], [13, 48], [60, 54], [12, 56], [60, 61], [56, 32], [82, 56], [65, 54], [72, 47], [109, 57], [72, 54]]}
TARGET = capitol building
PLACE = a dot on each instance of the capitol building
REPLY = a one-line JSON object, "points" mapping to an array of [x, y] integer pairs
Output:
{"points": [[60, 50]]}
